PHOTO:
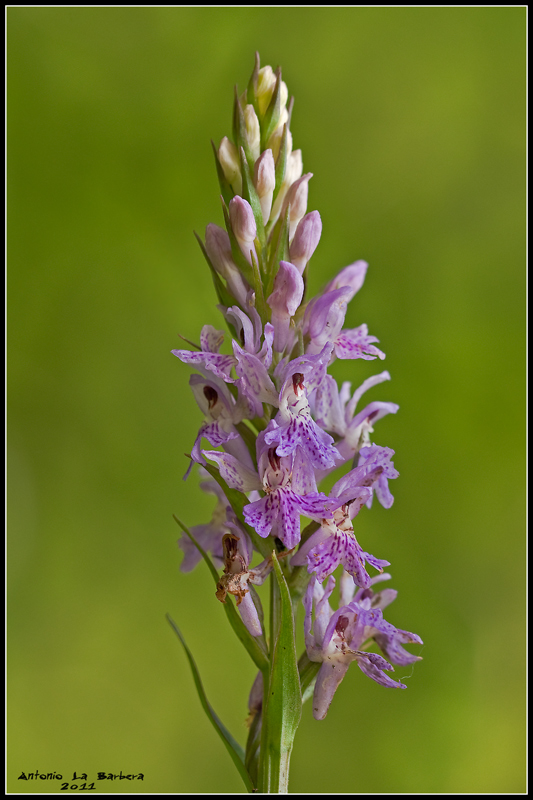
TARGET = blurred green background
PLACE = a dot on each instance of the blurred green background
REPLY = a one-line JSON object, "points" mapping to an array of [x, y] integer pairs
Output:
{"points": [[412, 121]]}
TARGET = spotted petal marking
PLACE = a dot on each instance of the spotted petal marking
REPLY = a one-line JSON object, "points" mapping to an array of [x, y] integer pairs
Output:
{"points": [[219, 365], [304, 432], [356, 343]]}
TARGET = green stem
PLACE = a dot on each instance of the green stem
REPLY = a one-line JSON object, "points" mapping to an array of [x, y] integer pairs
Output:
{"points": [[282, 699], [274, 777], [268, 768]]}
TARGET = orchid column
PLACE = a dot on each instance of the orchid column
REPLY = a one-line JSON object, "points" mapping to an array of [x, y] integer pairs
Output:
{"points": [[275, 423]]}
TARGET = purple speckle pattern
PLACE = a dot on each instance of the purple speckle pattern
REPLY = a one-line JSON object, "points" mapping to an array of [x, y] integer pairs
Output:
{"points": [[216, 363], [336, 638], [278, 513], [356, 343], [279, 423], [342, 548], [302, 431], [237, 475], [377, 460]]}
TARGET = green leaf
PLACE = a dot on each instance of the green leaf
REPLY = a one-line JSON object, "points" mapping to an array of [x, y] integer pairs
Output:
{"points": [[255, 645], [234, 749], [253, 744], [282, 708]]}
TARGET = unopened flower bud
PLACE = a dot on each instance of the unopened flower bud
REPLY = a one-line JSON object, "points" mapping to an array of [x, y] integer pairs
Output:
{"points": [[284, 94], [266, 80], [266, 83], [218, 248], [243, 225], [265, 181], [293, 171], [325, 317], [228, 157], [274, 143], [352, 276], [253, 132], [305, 240], [294, 167], [284, 302], [297, 200]]}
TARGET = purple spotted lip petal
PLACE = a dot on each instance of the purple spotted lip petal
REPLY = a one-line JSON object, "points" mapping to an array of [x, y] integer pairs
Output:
{"points": [[262, 514], [373, 666], [304, 432], [380, 469], [277, 423], [278, 513], [391, 644], [356, 343], [335, 638], [331, 546], [288, 527]]}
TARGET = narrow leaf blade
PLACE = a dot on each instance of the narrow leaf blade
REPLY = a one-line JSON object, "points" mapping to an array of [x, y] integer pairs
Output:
{"points": [[284, 699], [233, 747]]}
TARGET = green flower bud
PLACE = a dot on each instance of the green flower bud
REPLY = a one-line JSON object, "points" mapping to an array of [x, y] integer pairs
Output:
{"points": [[264, 182], [293, 173], [253, 132], [229, 161], [266, 81], [274, 143]]}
